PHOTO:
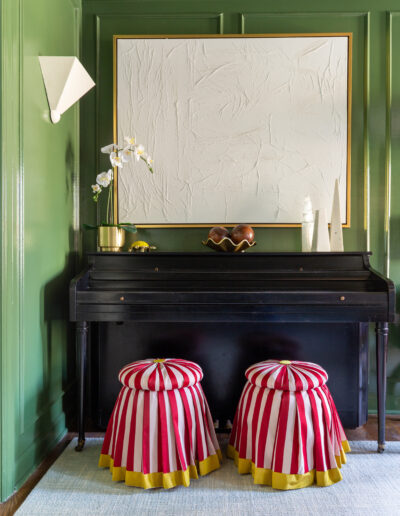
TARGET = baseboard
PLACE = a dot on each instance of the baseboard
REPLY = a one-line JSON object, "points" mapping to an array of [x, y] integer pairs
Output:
{"points": [[14, 501], [36, 452], [388, 413]]}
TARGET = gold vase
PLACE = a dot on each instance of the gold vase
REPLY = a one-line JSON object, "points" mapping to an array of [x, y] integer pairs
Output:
{"points": [[110, 239]]}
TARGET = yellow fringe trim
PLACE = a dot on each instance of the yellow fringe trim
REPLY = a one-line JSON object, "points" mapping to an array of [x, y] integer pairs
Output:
{"points": [[159, 479], [289, 481]]}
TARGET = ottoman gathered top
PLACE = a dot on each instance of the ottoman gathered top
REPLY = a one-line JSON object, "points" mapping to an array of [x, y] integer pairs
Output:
{"points": [[160, 374], [286, 375]]}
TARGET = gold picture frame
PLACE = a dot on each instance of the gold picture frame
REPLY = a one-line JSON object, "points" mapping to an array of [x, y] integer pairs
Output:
{"points": [[348, 35]]}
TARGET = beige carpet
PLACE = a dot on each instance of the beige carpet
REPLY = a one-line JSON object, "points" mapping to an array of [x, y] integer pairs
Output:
{"points": [[75, 485]]}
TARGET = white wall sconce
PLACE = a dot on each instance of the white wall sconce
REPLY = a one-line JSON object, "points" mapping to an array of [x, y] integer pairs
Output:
{"points": [[66, 81]]}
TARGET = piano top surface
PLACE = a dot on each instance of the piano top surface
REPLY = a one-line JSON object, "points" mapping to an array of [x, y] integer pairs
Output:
{"points": [[216, 266], [227, 254], [204, 260], [233, 272]]}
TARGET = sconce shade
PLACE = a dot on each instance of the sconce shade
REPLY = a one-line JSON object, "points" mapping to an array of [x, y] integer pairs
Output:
{"points": [[65, 80]]}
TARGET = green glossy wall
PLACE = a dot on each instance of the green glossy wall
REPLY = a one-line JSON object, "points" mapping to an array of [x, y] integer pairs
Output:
{"points": [[42, 198], [375, 153], [39, 191]]}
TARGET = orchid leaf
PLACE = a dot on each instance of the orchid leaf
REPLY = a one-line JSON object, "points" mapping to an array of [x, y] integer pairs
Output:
{"points": [[89, 226], [130, 228]]}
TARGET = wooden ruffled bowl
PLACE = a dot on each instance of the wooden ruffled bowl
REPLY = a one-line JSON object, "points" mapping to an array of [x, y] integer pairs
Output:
{"points": [[228, 246]]}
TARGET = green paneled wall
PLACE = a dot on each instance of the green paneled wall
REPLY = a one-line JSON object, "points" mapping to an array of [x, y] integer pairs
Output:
{"points": [[41, 191], [40, 221], [375, 155]]}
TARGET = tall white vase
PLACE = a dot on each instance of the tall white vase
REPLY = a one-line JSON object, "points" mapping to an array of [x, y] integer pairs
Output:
{"points": [[336, 222], [321, 234], [307, 226]]}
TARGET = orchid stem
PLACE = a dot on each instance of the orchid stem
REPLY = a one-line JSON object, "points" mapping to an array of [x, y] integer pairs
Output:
{"points": [[108, 205], [112, 200]]}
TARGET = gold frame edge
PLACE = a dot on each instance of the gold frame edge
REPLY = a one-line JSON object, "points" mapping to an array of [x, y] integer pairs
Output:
{"points": [[349, 35]]}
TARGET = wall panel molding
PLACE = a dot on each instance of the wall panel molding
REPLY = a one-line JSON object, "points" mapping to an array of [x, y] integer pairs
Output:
{"points": [[182, 17], [392, 88], [393, 133], [12, 236], [392, 200], [388, 135], [303, 14], [366, 140], [21, 218], [247, 16], [77, 4], [77, 239]]}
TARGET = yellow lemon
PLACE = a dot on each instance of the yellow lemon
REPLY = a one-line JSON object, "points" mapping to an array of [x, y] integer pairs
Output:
{"points": [[139, 243]]}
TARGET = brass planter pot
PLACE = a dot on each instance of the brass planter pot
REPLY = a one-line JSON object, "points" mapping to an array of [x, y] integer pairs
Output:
{"points": [[111, 239]]}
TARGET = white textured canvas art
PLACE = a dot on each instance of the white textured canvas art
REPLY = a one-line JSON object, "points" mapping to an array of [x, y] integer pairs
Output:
{"points": [[240, 129]]}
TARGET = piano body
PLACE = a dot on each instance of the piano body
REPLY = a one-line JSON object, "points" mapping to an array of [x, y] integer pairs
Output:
{"points": [[229, 310]]}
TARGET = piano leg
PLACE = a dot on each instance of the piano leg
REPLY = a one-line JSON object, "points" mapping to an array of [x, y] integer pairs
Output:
{"points": [[382, 331], [81, 341]]}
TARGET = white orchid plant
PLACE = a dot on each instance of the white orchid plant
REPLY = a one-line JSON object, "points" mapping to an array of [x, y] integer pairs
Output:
{"points": [[118, 156]]}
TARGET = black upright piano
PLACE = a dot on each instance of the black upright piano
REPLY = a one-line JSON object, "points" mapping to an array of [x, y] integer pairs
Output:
{"points": [[227, 311]]}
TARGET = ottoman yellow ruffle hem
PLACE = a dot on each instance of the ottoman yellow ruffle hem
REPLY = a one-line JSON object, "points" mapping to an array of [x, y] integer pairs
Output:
{"points": [[287, 432]]}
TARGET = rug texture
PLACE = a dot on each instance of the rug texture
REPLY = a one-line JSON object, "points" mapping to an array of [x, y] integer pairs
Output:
{"points": [[75, 485]]}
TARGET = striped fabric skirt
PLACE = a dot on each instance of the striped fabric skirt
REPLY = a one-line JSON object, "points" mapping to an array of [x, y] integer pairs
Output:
{"points": [[288, 439], [160, 438]]}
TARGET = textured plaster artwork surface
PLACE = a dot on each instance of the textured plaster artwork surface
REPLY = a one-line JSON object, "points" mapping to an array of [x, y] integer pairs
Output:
{"points": [[240, 129]]}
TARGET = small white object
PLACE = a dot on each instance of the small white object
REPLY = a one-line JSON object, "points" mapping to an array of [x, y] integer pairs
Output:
{"points": [[65, 80], [307, 226], [336, 222], [320, 241]]}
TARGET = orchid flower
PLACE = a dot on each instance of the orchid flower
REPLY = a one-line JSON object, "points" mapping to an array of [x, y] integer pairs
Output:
{"points": [[104, 178], [116, 160], [109, 148], [96, 189], [129, 140], [125, 154], [138, 151]]}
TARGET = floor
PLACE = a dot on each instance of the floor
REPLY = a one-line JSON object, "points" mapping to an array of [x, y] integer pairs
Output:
{"points": [[367, 432]]}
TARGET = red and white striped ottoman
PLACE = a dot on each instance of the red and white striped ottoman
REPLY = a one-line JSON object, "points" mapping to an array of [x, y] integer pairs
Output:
{"points": [[286, 430], [160, 433]]}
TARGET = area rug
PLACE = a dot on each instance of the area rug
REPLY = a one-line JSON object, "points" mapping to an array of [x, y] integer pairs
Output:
{"points": [[75, 485]]}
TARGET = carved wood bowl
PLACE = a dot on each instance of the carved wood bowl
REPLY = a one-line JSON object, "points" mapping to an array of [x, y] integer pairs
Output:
{"points": [[228, 246]]}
